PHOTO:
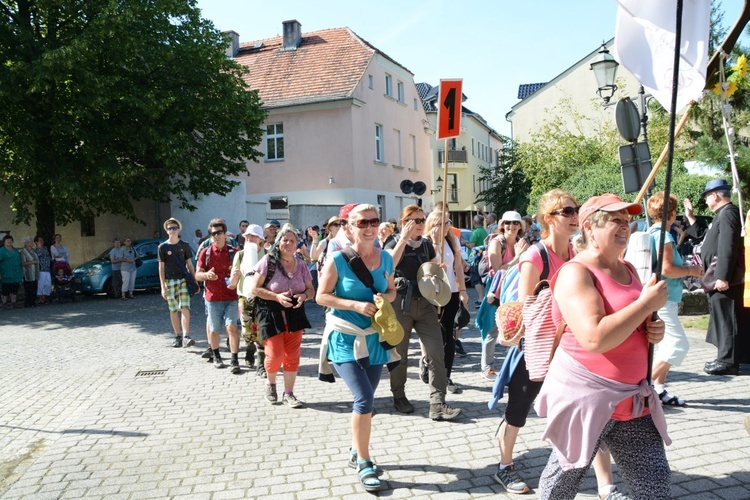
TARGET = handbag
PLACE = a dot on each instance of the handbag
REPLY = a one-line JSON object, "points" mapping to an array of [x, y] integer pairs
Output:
{"points": [[192, 285], [138, 262], [708, 281]]}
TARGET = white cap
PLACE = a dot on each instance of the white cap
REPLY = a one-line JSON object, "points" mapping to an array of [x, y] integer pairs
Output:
{"points": [[254, 230]]}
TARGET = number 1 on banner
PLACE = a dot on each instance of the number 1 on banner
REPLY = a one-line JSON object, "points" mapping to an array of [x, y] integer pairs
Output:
{"points": [[449, 109]]}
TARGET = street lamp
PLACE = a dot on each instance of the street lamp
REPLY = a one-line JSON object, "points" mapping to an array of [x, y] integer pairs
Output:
{"points": [[438, 185], [605, 70]]}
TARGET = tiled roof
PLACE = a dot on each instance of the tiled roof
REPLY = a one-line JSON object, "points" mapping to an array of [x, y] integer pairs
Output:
{"points": [[526, 89], [428, 96], [327, 65]]}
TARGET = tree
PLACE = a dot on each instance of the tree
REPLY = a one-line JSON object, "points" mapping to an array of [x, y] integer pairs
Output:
{"points": [[509, 189], [107, 102]]}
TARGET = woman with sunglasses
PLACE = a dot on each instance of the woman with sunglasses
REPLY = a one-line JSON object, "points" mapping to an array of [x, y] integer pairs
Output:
{"points": [[603, 354], [409, 252], [504, 250], [320, 250], [438, 224], [352, 308]]}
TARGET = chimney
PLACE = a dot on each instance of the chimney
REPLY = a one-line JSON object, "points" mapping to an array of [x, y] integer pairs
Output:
{"points": [[234, 43], [292, 34]]}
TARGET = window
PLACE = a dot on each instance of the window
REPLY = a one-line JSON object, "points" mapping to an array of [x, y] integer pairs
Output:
{"points": [[415, 104], [369, 81], [275, 141], [400, 88], [452, 188], [397, 133], [388, 85], [88, 227], [472, 148], [379, 151], [381, 206]]}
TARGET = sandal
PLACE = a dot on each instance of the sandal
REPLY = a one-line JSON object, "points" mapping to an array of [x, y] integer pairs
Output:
{"points": [[368, 476], [353, 463], [669, 400]]}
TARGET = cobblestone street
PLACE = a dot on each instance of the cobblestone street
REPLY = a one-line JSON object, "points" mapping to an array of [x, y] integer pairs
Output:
{"points": [[81, 419]]}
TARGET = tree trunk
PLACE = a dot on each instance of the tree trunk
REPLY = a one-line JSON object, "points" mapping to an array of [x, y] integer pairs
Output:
{"points": [[45, 220]]}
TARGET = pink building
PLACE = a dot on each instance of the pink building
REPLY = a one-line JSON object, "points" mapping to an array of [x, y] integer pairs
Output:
{"points": [[345, 124]]}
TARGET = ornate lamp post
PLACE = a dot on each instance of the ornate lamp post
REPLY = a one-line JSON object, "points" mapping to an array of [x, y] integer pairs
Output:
{"points": [[605, 70]]}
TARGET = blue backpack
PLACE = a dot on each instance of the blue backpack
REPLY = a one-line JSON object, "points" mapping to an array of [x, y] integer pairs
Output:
{"points": [[508, 287]]}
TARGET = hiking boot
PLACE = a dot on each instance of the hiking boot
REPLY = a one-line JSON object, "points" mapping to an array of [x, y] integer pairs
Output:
{"points": [[489, 374], [443, 412], [614, 494], [291, 401], [177, 341], [403, 405], [235, 364], [250, 355], [208, 354], [188, 342], [271, 395], [424, 374], [218, 363], [510, 480]]}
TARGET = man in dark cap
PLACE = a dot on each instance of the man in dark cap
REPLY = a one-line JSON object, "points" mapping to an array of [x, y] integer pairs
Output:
{"points": [[728, 328]]}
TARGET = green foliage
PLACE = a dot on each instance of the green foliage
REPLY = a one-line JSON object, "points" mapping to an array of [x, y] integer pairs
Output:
{"points": [[509, 188], [106, 102]]}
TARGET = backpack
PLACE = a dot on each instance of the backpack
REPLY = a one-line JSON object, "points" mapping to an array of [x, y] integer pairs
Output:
{"points": [[205, 250], [249, 307], [508, 316], [322, 256]]}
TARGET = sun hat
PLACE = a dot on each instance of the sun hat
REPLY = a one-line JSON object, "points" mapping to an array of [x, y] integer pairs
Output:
{"points": [[716, 185], [607, 203], [173, 220], [254, 230], [386, 323], [512, 215], [509, 320], [462, 317], [346, 209], [433, 284], [330, 221]]}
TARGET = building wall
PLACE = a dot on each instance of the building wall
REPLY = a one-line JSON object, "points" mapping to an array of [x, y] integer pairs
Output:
{"points": [[106, 227], [578, 86]]}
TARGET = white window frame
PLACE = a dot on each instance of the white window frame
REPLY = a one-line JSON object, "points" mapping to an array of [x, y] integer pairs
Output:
{"points": [[388, 85], [379, 146], [397, 133], [400, 91], [414, 151], [370, 84], [274, 138]]}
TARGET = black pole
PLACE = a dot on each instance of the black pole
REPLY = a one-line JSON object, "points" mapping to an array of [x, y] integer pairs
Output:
{"points": [[670, 158]]}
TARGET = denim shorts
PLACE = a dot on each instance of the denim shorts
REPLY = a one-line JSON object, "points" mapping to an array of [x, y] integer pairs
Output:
{"points": [[222, 313]]}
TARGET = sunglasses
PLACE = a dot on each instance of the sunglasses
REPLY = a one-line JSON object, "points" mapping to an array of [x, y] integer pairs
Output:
{"points": [[417, 221], [566, 211], [218, 233], [512, 222], [172, 228], [448, 222], [363, 223], [334, 224]]}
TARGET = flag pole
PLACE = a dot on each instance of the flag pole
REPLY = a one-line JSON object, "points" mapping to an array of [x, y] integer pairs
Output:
{"points": [[670, 159]]}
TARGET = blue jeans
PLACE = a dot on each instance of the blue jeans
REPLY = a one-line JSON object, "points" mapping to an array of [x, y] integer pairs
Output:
{"points": [[224, 311], [362, 383]]}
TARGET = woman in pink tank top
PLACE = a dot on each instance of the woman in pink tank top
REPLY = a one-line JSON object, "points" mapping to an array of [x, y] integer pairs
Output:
{"points": [[596, 390]]}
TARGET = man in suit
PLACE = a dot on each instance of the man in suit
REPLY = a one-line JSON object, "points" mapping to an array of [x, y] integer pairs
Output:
{"points": [[728, 328]]}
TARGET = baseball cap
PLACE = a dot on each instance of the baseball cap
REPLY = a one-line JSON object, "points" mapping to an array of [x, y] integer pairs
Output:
{"points": [[254, 230], [608, 203], [346, 209]]}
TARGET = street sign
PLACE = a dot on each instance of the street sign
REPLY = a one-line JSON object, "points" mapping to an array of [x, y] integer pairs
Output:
{"points": [[627, 119], [635, 160], [449, 109]]}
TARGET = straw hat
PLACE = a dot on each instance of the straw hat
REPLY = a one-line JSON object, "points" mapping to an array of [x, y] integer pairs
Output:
{"points": [[509, 321]]}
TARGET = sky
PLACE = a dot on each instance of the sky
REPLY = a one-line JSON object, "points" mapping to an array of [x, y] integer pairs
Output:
{"points": [[493, 45]]}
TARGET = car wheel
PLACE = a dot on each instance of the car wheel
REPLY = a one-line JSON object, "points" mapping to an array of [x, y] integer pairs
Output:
{"points": [[108, 289]]}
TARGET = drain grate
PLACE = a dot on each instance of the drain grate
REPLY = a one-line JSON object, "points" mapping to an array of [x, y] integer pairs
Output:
{"points": [[151, 373]]}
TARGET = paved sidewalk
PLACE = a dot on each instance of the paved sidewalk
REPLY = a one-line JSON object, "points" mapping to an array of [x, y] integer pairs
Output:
{"points": [[78, 420]]}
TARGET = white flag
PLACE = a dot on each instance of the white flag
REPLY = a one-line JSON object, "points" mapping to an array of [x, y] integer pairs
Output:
{"points": [[644, 44]]}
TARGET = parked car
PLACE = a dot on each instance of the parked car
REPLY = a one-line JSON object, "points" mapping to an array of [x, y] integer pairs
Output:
{"points": [[95, 276]]}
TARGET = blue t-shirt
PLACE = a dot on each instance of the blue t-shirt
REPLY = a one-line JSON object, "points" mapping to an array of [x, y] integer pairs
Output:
{"points": [[341, 345], [674, 285]]}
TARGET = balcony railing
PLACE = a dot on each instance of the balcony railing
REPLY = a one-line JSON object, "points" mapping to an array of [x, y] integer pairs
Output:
{"points": [[453, 157]]}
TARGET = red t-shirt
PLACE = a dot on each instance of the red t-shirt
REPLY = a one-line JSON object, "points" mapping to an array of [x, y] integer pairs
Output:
{"points": [[217, 291]]}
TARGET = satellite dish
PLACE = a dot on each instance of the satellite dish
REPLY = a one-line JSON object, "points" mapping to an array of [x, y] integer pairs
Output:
{"points": [[419, 188], [406, 186]]}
